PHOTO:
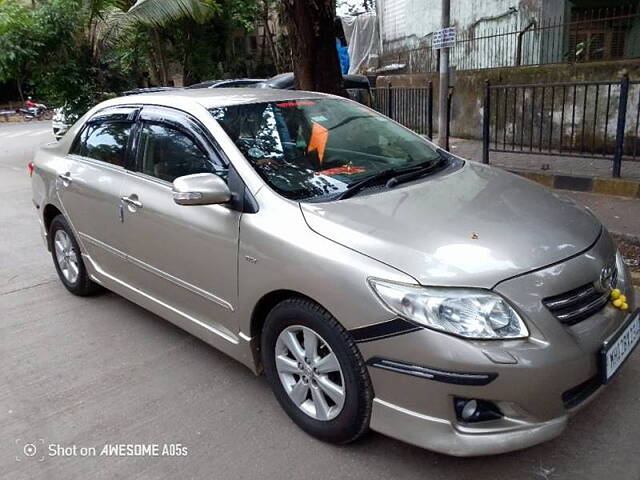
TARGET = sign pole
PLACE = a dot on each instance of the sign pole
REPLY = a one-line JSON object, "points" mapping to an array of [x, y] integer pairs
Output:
{"points": [[443, 87]]}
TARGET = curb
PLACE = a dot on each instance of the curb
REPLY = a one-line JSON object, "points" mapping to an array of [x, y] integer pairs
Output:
{"points": [[11, 120], [627, 237], [602, 185]]}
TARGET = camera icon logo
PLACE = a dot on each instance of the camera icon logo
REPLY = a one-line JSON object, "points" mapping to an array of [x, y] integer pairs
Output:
{"points": [[30, 450]]}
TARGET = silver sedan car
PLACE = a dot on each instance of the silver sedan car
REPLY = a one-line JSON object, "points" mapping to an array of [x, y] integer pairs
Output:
{"points": [[377, 280]]}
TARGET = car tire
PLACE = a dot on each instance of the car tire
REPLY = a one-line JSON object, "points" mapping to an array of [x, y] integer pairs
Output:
{"points": [[67, 259], [346, 418]]}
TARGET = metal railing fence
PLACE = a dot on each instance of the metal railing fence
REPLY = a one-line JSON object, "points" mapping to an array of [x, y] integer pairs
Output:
{"points": [[580, 119], [410, 106]]}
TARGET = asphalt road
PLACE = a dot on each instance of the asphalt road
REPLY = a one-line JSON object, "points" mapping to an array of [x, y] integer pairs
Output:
{"points": [[93, 371]]}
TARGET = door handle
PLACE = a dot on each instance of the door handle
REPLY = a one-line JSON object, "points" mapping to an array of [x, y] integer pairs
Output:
{"points": [[66, 178], [132, 201]]}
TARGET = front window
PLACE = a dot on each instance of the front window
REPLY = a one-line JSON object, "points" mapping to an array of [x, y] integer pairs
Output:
{"points": [[315, 149], [167, 153]]}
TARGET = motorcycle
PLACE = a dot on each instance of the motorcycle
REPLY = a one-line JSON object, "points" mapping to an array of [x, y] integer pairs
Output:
{"points": [[40, 112]]}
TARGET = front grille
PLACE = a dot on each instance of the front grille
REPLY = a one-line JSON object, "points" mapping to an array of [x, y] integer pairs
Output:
{"points": [[574, 306]]}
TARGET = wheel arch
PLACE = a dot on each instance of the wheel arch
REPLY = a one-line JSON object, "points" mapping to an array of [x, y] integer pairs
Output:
{"points": [[49, 212], [261, 311]]}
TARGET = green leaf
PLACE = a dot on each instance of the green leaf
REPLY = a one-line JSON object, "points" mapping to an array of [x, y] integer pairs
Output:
{"points": [[161, 12]]}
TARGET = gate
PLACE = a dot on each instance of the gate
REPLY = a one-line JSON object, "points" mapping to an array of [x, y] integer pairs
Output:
{"points": [[583, 119]]}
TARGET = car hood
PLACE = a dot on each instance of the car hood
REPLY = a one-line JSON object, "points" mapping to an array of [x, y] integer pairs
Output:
{"points": [[473, 227]]}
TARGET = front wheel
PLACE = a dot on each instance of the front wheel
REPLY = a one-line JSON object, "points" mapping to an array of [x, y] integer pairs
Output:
{"points": [[316, 371]]}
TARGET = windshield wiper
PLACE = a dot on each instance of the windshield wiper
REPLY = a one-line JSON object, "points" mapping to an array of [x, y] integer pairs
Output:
{"points": [[355, 187], [394, 176], [415, 173], [382, 175]]}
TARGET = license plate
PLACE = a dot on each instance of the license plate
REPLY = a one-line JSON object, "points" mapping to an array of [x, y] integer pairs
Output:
{"points": [[618, 348]]}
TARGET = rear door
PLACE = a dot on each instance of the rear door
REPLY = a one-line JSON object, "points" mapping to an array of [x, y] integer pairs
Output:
{"points": [[89, 188], [183, 256]]}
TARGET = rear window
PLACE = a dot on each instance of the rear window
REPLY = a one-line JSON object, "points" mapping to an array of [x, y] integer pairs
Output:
{"points": [[105, 141]]}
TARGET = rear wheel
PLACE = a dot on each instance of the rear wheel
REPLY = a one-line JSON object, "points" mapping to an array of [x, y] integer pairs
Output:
{"points": [[316, 371], [68, 259]]}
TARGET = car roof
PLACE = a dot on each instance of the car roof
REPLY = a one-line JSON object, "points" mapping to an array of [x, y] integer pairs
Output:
{"points": [[226, 81], [218, 97], [136, 91]]}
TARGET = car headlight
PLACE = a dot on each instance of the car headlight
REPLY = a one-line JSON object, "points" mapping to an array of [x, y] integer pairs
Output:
{"points": [[469, 313]]}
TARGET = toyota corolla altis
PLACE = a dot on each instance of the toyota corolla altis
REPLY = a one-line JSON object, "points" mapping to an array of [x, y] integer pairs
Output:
{"points": [[377, 280]]}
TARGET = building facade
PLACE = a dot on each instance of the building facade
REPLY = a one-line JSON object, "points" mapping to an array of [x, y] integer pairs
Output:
{"points": [[506, 33]]}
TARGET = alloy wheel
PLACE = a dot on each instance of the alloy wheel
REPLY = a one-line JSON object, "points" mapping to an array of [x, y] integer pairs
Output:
{"points": [[66, 256], [310, 372]]}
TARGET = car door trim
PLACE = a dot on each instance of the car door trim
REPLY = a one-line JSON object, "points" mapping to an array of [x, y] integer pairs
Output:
{"points": [[97, 163], [104, 246], [181, 283], [200, 323], [160, 273], [150, 179]]}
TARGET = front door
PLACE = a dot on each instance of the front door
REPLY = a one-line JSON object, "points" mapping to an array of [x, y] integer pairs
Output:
{"points": [[183, 256]]}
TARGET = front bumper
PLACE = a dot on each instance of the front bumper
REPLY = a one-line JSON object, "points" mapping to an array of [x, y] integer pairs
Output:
{"points": [[59, 129], [442, 436], [536, 382]]}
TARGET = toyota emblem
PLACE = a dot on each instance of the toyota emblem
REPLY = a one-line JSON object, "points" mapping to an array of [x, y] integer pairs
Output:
{"points": [[605, 281]]}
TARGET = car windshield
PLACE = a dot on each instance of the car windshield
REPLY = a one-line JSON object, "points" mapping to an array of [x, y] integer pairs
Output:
{"points": [[314, 149]]}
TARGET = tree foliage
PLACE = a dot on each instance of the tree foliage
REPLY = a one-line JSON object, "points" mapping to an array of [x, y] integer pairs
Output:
{"points": [[78, 52], [161, 12], [18, 45]]}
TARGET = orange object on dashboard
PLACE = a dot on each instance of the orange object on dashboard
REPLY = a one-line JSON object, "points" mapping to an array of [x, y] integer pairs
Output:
{"points": [[343, 170], [318, 140]]}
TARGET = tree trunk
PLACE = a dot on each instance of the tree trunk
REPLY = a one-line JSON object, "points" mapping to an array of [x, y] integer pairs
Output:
{"points": [[160, 57], [19, 85], [265, 19], [274, 51], [313, 43]]}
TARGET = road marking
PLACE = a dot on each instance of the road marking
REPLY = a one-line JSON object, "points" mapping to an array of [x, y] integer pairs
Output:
{"points": [[38, 132], [25, 133], [16, 134]]}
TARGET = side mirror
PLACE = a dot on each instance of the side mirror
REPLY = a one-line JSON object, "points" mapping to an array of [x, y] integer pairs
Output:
{"points": [[200, 189]]}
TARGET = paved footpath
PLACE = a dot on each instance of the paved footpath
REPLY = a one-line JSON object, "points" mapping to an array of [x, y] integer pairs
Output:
{"points": [[619, 214], [600, 167]]}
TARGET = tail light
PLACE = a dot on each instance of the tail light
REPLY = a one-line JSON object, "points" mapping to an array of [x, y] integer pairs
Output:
{"points": [[30, 168]]}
